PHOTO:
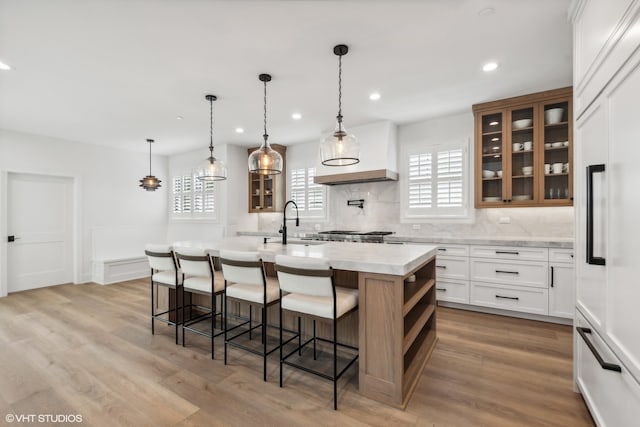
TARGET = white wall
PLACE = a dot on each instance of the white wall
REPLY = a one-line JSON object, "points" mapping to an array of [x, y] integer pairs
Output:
{"points": [[382, 199], [231, 196], [107, 194]]}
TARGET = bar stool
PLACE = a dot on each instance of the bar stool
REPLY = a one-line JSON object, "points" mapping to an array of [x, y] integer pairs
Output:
{"points": [[164, 272], [198, 277], [245, 280], [312, 293]]}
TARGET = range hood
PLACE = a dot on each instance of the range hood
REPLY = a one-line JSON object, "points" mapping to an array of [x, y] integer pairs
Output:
{"points": [[378, 157]]}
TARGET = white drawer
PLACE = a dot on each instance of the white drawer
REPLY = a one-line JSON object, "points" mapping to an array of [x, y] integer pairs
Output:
{"points": [[452, 267], [525, 273], [452, 291], [516, 298], [510, 252], [453, 250], [561, 255], [612, 397]]}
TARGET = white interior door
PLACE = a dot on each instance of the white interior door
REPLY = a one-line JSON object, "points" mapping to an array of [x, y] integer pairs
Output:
{"points": [[40, 219]]}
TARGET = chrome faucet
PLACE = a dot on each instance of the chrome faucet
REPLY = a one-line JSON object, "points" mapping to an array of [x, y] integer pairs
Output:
{"points": [[283, 228]]}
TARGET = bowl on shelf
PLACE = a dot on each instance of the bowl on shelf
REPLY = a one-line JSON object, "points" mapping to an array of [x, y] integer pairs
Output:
{"points": [[527, 170], [548, 145], [488, 173], [553, 116], [499, 173], [491, 199], [521, 197], [522, 123], [557, 144]]}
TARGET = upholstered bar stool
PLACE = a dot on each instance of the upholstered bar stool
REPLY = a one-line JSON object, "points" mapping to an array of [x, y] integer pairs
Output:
{"points": [[164, 272], [312, 293], [245, 280], [198, 278]]}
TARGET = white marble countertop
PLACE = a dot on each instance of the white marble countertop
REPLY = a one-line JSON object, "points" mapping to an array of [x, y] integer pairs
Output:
{"points": [[396, 260], [520, 241]]}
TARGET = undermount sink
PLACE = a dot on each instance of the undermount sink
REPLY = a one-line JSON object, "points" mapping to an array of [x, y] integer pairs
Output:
{"points": [[298, 242]]}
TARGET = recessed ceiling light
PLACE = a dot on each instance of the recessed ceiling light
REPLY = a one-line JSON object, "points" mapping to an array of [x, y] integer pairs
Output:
{"points": [[494, 124], [486, 11], [489, 66], [4, 67], [296, 116], [179, 117], [239, 130], [374, 96], [495, 139]]}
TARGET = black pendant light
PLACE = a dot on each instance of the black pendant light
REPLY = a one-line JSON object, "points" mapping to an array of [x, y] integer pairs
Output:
{"points": [[211, 169], [340, 148], [265, 160], [150, 182]]}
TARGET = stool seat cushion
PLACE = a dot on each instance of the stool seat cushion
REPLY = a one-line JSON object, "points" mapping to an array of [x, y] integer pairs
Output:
{"points": [[346, 300], [167, 278], [202, 284], [255, 293]]}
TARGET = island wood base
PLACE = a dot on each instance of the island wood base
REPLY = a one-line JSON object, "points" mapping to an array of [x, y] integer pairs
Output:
{"points": [[397, 332]]}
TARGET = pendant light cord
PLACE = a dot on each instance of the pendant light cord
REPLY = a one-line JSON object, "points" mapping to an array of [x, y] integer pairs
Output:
{"points": [[149, 157], [340, 92], [211, 126], [265, 135]]}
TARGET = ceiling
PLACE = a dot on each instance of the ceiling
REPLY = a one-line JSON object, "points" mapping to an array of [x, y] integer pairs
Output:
{"points": [[115, 72]]}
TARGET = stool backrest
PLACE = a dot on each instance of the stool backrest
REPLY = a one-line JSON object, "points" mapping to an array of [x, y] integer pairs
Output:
{"points": [[160, 257], [303, 275], [195, 262], [242, 267]]}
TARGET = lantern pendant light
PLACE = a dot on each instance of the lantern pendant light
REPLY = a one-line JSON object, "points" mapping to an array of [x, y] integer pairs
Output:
{"points": [[340, 148], [265, 160], [211, 169], [150, 182]]}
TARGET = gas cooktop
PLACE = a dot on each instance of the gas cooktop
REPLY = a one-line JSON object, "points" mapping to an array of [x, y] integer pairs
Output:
{"points": [[352, 236], [357, 233]]}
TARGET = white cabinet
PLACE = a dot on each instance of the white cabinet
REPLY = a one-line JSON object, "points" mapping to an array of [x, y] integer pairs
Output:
{"points": [[453, 291], [561, 290], [515, 298], [523, 273], [452, 273]]}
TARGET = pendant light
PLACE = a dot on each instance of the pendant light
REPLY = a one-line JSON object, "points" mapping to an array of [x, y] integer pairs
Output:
{"points": [[211, 169], [150, 182], [340, 148], [265, 160]]}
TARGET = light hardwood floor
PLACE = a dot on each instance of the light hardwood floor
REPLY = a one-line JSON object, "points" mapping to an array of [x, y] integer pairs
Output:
{"points": [[88, 350]]}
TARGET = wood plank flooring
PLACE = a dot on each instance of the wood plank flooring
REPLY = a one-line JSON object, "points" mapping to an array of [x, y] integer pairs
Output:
{"points": [[88, 350]]}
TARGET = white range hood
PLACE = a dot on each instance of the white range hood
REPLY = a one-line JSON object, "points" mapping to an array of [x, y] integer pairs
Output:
{"points": [[378, 157]]}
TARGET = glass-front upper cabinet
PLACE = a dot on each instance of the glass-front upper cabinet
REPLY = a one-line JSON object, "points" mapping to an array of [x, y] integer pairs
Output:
{"points": [[523, 150], [523, 137], [490, 164], [558, 169]]}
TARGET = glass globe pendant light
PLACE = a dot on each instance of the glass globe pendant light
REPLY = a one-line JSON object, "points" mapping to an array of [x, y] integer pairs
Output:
{"points": [[265, 160], [340, 148], [150, 182], [211, 169]]}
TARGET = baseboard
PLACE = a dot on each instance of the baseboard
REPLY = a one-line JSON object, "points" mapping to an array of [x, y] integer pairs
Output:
{"points": [[488, 310]]}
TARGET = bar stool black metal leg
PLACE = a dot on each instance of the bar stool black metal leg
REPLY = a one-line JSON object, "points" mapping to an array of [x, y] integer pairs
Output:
{"points": [[183, 319], [315, 357], [280, 323], [213, 321], [153, 314], [335, 364], [264, 342], [299, 337], [250, 321], [175, 318], [226, 326]]}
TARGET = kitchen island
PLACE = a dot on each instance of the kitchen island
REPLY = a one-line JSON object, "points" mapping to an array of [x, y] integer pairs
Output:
{"points": [[396, 325]]}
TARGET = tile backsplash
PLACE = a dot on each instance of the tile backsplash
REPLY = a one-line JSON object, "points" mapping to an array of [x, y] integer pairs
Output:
{"points": [[381, 212]]}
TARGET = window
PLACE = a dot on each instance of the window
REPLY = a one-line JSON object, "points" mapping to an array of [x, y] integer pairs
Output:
{"points": [[435, 183], [311, 198], [192, 198]]}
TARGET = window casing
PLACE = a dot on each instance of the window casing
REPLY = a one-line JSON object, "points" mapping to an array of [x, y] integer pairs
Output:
{"points": [[310, 197], [192, 198], [436, 182]]}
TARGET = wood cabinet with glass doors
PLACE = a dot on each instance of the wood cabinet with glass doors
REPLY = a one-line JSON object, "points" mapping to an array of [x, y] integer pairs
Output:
{"points": [[267, 192], [523, 150]]}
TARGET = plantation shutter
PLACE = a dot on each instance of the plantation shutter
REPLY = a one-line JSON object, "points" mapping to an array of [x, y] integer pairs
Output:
{"points": [[449, 179], [420, 181]]}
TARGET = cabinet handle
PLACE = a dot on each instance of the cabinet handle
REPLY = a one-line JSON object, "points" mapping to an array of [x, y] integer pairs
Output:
{"points": [[604, 365], [442, 249], [552, 276], [507, 272], [441, 289], [503, 297], [592, 169], [441, 266], [508, 252]]}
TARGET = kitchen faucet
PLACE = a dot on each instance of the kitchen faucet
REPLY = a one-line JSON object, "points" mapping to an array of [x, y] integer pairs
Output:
{"points": [[283, 228]]}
